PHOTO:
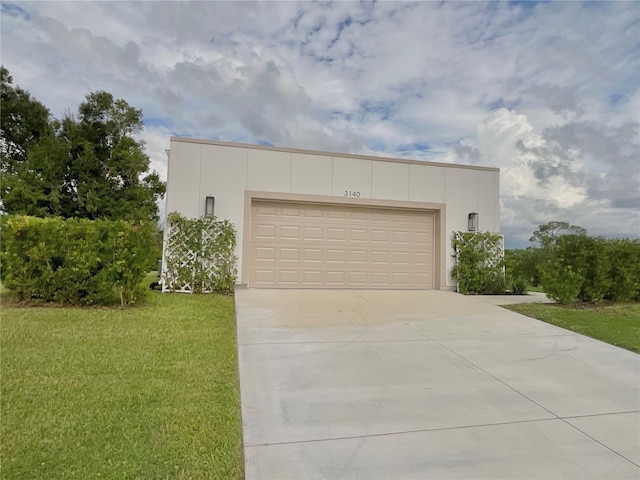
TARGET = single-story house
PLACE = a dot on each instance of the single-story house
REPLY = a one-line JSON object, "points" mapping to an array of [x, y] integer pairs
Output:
{"points": [[310, 219]]}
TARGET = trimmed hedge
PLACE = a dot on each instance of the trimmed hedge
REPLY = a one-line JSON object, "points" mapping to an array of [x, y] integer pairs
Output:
{"points": [[523, 265], [75, 261], [580, 268]]}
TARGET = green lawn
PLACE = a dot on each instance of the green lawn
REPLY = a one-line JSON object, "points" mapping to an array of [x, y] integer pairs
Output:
{"points": [[149, 392], [535, 289], [615, 324]]}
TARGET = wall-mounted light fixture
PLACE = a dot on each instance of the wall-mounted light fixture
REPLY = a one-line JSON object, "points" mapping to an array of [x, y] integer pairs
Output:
{"points": [[473, 222], [209, 205]]}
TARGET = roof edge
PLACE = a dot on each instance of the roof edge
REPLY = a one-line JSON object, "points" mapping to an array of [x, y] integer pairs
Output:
{"points": [[331, 154]]}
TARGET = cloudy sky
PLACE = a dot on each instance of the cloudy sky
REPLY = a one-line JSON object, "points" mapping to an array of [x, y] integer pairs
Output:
{"points": [[548, 92]]}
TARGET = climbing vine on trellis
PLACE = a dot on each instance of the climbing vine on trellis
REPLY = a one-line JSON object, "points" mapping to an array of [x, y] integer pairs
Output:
{"points": [[199, 255], [479, 264]]}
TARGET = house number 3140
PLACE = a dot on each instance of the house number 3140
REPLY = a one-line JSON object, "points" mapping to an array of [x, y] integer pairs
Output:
{"points": [[350, 193]]}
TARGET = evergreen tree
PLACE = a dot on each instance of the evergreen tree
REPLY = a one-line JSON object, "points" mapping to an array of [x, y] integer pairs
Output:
{"points": [[23, 121], [88, 165]]}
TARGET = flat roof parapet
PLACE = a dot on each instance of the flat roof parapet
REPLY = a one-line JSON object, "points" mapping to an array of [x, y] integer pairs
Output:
{"points": [[332, 154]]}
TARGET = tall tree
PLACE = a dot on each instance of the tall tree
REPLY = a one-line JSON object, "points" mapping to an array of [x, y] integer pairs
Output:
{"points": [[108, 168], [35, 186], [23, 121], [547, 234], [89, 165]]}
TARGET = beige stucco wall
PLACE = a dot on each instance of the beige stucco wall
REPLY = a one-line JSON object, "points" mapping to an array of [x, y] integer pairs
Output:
{"points": [[311, 174], [200, 168]]}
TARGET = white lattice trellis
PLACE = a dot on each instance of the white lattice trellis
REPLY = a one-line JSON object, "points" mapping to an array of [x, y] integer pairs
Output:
{"points": [[491, 246], [198, 255], [179, 261]]}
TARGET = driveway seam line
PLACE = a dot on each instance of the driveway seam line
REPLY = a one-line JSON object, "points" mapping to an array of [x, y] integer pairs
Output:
{"points": [[425, 339], [598, 441], [420, 340], [523, 337], [570, 417], [524, 396], [355, 292], [403, 432]]}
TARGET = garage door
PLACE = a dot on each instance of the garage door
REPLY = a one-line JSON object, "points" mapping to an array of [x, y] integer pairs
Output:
{"points": [[337, 246]]}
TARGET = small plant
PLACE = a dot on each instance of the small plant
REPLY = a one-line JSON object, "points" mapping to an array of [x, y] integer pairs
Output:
{"points": [[518, 286]]}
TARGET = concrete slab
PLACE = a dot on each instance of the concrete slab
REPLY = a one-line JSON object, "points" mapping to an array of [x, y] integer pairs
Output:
{"points": [[397, 384], [267, 316], [531, 297], [569, 375], [499, 323], [619, 432], [314, 391], [549, 449]]}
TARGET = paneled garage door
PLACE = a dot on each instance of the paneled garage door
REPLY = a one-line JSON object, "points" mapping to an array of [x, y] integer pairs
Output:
{"points": [[337, 246]]}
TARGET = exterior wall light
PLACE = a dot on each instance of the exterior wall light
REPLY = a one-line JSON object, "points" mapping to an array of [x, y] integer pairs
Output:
{"points": [[209, 205], [473, 222]]}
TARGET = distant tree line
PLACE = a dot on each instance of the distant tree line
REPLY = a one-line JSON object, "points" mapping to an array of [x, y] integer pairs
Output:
{"points": [[571, 266]]}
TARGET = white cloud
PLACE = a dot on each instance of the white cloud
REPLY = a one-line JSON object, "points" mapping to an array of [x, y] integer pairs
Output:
{"points": [[156, 139], [577, 172], [509, 141], [543, 90]]}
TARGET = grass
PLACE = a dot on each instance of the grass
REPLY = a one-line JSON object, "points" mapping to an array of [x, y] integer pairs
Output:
{"points": [[531, 288], [617, 324], [149, 392]]}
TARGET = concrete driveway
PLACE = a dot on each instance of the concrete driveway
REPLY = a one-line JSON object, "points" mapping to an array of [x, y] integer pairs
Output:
{"points": [[404, 384]]}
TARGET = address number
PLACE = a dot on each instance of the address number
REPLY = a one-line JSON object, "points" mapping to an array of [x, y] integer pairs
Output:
{"points": [[350, 193]]}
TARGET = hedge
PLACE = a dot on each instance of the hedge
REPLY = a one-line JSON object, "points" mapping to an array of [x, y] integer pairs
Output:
{"points": [[581, 268], [75, 261]]}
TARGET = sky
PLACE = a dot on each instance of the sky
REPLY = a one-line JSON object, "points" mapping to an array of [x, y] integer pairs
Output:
{"points": [[549, 92]]}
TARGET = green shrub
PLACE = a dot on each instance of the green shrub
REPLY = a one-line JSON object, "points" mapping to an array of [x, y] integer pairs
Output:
{"points": [[524, 263], [479, 265], [580, 268], [561, 282], [595, 268], [576, 267], [563, 272], [624, 270], [518, 286], [75, 261]]}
